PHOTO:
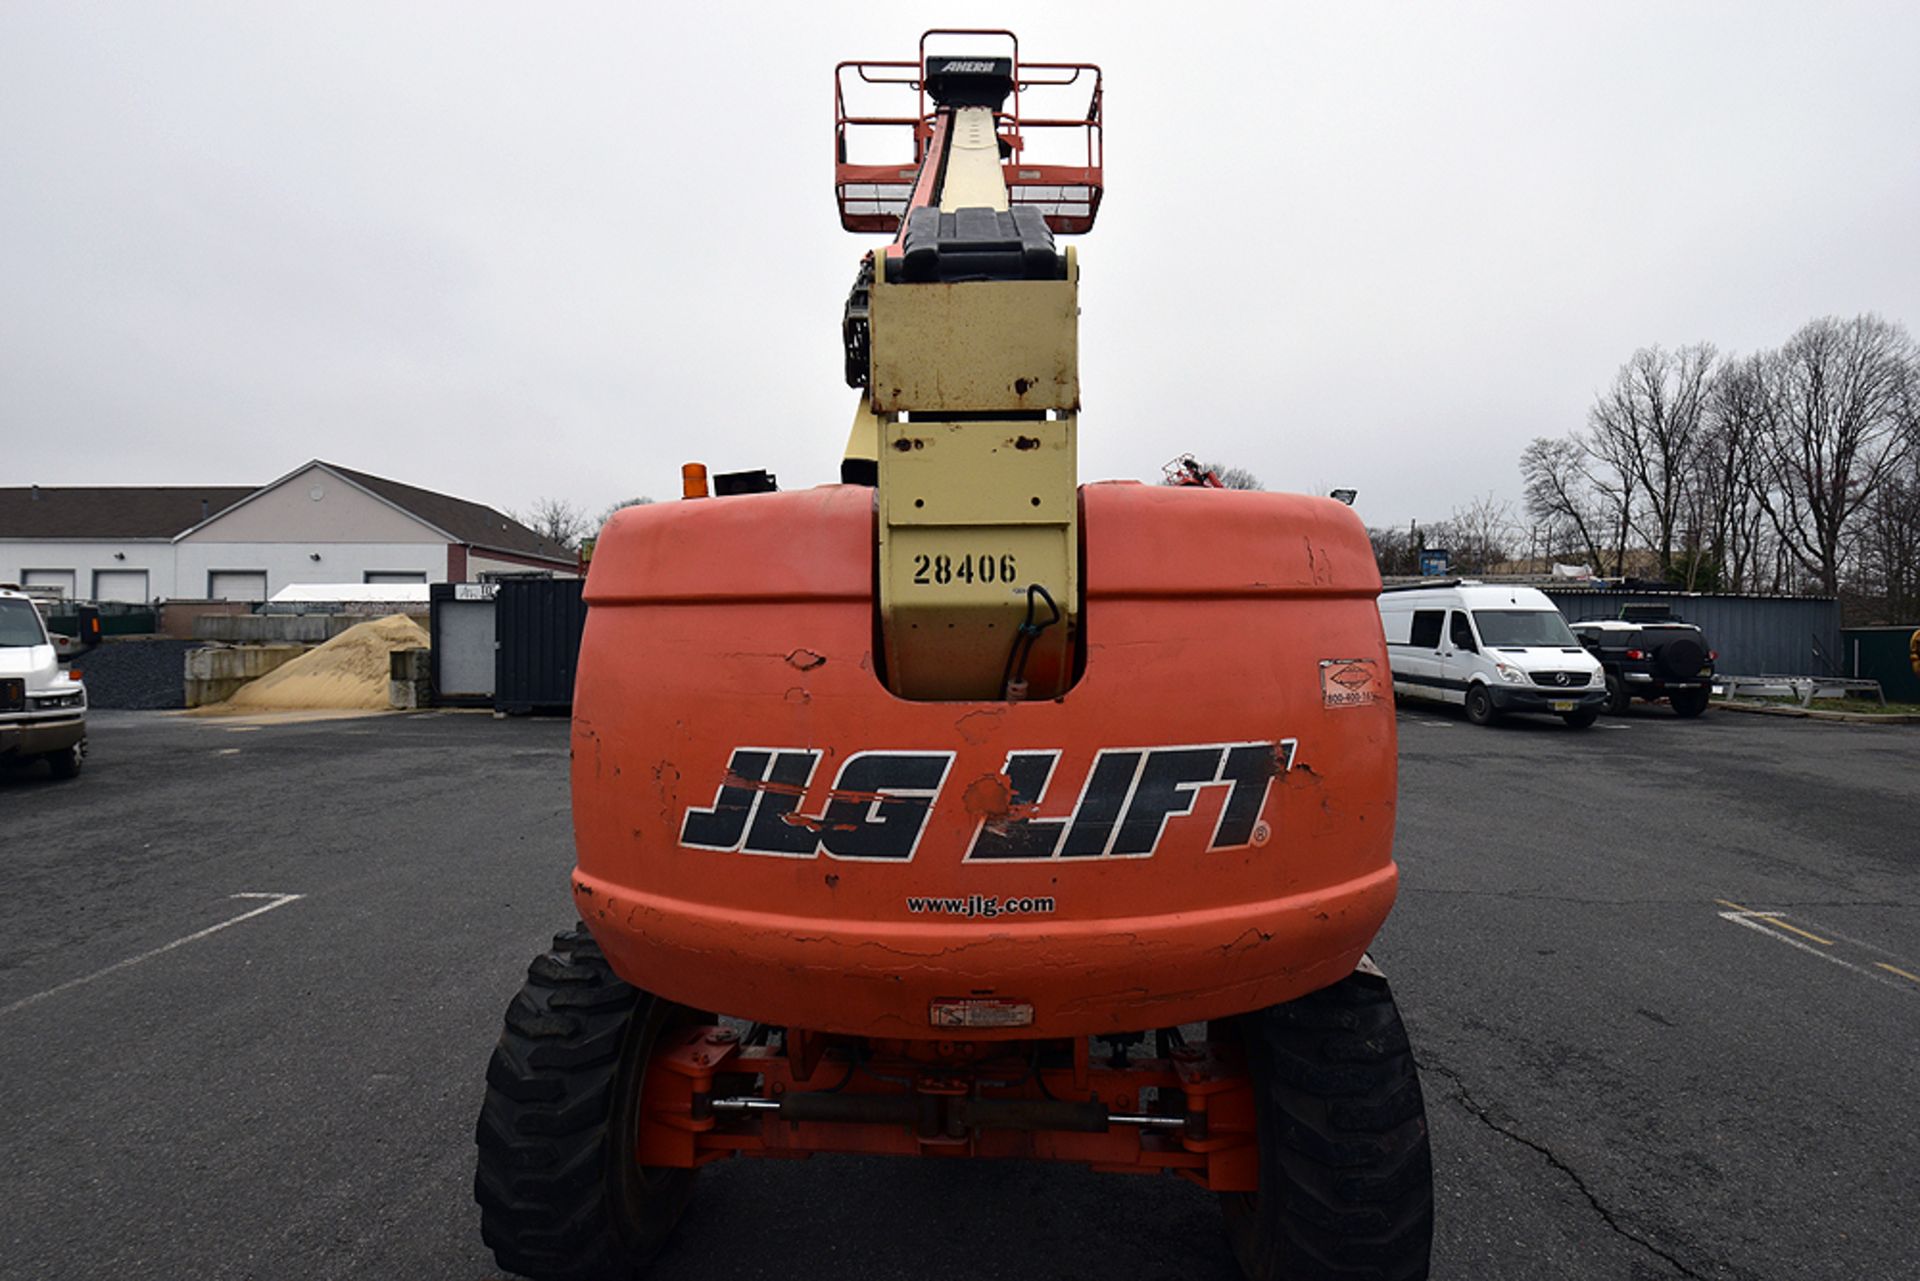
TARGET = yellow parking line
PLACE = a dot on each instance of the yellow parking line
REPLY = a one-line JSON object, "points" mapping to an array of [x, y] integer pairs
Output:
{"points": [[1773, 918], [1770, 924]]}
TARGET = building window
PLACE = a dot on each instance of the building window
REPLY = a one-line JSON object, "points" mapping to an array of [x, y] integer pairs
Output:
{"points": [[395, 576]]}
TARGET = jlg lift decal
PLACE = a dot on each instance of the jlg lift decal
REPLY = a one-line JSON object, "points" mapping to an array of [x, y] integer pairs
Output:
{"points": [[1129, 795], [880, 802], [878, 807]]}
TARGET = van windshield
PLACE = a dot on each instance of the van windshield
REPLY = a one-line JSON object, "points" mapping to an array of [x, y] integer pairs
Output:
{"points": [[20, 623], [1515, 627]]}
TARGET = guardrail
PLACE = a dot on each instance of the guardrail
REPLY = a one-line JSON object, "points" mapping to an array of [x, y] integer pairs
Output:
{"points": [[1804, 688]]}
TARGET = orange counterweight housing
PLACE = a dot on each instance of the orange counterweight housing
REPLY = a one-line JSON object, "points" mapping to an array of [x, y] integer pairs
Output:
{"points": [[1201, 826]]}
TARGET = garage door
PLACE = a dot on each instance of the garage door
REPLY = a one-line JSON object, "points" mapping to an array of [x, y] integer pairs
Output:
{"points": [[237, 584], [61, 580], [120, 584]]}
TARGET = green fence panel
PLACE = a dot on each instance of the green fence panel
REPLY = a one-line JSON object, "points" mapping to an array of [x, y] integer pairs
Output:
{"points": [[1880, 654], [133, 622]]}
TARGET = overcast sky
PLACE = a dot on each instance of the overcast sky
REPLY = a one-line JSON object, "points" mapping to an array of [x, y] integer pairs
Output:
{"points": [[516, 251]]}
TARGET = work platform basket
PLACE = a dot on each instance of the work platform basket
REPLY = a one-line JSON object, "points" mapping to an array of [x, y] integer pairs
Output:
{"points": [[1049, 130]]}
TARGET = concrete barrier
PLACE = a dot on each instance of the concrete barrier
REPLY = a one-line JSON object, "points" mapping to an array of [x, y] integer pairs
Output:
{"points": [[410, 679], [271, 629], [213, 674], [178, 618]]}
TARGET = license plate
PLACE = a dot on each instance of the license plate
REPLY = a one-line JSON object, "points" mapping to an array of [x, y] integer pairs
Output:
{"points": [[1562, 704]]}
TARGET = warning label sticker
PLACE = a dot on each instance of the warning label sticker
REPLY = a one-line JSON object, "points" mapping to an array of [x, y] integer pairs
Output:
{"points": [[1349, 682], [977, 1011]]}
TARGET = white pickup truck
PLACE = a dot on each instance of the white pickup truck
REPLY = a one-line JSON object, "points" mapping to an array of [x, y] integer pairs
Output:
{"points": [[43, 706]]}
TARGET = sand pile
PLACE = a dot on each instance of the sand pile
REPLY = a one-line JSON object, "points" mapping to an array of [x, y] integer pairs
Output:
{"points": [[349, 671]]}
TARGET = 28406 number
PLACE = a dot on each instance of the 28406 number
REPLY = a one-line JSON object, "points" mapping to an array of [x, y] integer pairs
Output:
{"points": [[986, 567]]}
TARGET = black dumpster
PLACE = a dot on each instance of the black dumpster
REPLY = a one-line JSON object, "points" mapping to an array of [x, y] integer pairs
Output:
{"points": [[537, 626]]}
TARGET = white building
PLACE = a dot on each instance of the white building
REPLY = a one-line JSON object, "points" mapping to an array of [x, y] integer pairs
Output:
{"points": [[320, 523]]}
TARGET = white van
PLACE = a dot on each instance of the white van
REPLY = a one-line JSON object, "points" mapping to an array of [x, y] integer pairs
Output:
{"points": [[43, 706], [1490, 650]]}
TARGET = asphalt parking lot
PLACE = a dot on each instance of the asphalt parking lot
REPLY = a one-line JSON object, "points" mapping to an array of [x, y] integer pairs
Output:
{"points": [[1664, 978]]}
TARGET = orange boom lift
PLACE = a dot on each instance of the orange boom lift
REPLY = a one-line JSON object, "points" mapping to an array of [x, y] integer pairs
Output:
{"points": [[1001, 816]]}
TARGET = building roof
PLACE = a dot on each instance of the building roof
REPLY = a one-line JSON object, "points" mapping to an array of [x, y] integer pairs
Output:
{"points": [[475, 524], [82, 512]]}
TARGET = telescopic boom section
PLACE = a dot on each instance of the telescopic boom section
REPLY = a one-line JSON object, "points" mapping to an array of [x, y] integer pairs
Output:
{"points": [[964, 333]]}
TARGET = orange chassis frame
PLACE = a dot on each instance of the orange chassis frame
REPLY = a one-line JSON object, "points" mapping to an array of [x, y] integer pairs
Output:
{"points": [[947, 1099]]}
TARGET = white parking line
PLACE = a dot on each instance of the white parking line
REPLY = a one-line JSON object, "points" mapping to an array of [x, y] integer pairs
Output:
{"points": [[1757, 921], [274, 901]]}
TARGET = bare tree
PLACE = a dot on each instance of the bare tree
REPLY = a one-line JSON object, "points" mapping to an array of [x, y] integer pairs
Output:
{"points": [[1836, 429], [1788, 470], [1645, 428], [607, 515], [1727, 523], [1889, 570], [1677, 386], [1395, 550], [1610, 466], [1480, 534], [1559, 498], [555, 519]]}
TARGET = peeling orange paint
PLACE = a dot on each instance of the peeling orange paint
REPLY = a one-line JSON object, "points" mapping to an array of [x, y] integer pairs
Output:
{"points": [[989, 798]]}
